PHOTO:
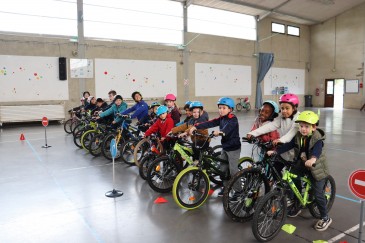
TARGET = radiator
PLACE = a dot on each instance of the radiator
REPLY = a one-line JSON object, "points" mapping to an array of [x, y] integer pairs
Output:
{"points": [[24, 113]]}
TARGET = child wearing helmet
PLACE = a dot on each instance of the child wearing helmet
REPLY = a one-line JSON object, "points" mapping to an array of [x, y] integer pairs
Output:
{"points": [[228, 126], [269, 110], [187, 112], [196, 109], [308, 146], [140, 109], [163, 125], [170, 100], [284, 123]]}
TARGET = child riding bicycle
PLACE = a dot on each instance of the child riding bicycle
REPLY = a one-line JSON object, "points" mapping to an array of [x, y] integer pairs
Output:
{"points": [[308, 151]]}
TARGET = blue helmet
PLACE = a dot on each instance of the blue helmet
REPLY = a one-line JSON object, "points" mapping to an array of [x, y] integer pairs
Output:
{"points": [[187, 104], [273, 104], [162, 109], [196, 104], [155, 104], [226, 101]]}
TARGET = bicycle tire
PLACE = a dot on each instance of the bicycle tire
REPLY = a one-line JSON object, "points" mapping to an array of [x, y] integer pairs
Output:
{"points": [[162, 173], [77, 128], [127, 151], [239, 107], [142, 147], [330, 192], [77, 138], [268, 207], [145, 163], [67, 126], [240, 205], [105, 147], [95, 145], [186, 182], [86, 138], [74, 124], [248, 107]]}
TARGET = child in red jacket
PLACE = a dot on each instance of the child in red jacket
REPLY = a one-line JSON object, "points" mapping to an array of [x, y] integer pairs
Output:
{"points": [[163, 125]]}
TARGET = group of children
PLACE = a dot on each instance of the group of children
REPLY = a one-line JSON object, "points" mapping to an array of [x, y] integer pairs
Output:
{"points": [[283, 123]]}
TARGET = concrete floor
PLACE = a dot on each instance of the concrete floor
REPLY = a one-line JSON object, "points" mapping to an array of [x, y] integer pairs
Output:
{"points": [[57, 194]]}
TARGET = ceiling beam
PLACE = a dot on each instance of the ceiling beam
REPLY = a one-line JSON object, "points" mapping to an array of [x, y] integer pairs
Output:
{"points": [[275, 10]]}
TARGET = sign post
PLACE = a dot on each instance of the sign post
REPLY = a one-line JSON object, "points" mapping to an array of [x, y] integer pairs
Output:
{"points": [[113, 151], [357, 187], [45, 124]]}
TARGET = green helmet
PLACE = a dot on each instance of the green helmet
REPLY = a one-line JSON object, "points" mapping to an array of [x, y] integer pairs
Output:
{"points": [[308, 117]]}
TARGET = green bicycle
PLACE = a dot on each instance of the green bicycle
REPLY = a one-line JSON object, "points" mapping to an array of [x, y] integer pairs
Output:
{"points": [[271, 210], [191, 186]]}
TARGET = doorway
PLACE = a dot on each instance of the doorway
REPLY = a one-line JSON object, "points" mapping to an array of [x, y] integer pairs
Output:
{"points": [[334, 88]]}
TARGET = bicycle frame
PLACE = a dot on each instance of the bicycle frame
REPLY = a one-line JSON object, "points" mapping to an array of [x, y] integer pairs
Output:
{"points": [[185, 152], [287, 176]]}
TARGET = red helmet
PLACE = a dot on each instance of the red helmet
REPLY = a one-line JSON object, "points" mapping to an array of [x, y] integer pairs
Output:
{"points": [[170, 97], [289, 98]]}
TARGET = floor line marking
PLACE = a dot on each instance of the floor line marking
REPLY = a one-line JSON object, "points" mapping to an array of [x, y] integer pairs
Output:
{"points": [[337, 237], [348, 199]]}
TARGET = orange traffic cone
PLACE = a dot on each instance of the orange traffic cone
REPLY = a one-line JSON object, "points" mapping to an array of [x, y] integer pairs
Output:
{"points": [[210, 192], [22, 138], [160, 200]]}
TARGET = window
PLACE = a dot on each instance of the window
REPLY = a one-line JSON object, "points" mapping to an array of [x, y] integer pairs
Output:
{"points": [[278, 28], [39, 17], [292, 30], [135, 20], [219, 22]]}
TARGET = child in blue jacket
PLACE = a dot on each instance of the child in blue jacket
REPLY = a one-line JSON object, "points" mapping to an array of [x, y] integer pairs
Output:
{"points": [[140, 108], [228, 125], [116, 109]]}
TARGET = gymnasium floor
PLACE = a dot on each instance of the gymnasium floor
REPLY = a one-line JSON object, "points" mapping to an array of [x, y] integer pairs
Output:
{"points": [[57, 194]]}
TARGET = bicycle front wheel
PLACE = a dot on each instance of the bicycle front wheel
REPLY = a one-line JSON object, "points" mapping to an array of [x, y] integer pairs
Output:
{"points": [[269, 216], [127, 151], [248, 107], [239, 107], [191, 188], [161, 174], [67, 126], [242, 192], [95, 144]]}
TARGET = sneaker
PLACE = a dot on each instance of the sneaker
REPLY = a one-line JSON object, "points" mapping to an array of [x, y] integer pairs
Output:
{"points": [[220, 194], [322, 225], [293, 212]]}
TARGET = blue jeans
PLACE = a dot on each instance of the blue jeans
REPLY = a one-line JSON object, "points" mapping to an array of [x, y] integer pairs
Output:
{"points": [[319, 196]]}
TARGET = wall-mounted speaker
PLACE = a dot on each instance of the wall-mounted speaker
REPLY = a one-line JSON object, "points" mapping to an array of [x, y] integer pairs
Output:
{"points": [[62, 68]]}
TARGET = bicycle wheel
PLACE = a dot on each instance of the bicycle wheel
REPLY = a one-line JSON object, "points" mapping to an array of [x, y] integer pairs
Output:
{"points": [[67, 126], [329, 190], [105, 147], [127, 151], [191, 188], [95, 145], [270, 215], [86, 138], [142, 148], [239, 107], [74, 124], [245, 162], [145, 163], [162, 173], [242, 192], [77, 138], [248, 107], [77, 128]]}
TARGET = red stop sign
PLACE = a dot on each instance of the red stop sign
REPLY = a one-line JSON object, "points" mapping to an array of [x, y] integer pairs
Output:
{"points": [[357, 183], [45, 121]]}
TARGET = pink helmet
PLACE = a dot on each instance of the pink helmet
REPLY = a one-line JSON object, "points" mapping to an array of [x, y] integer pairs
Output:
{"points": [[289, 98], [170, 97]]}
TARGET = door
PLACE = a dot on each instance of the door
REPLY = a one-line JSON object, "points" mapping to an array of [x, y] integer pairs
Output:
{"points": [[329, 93]]}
